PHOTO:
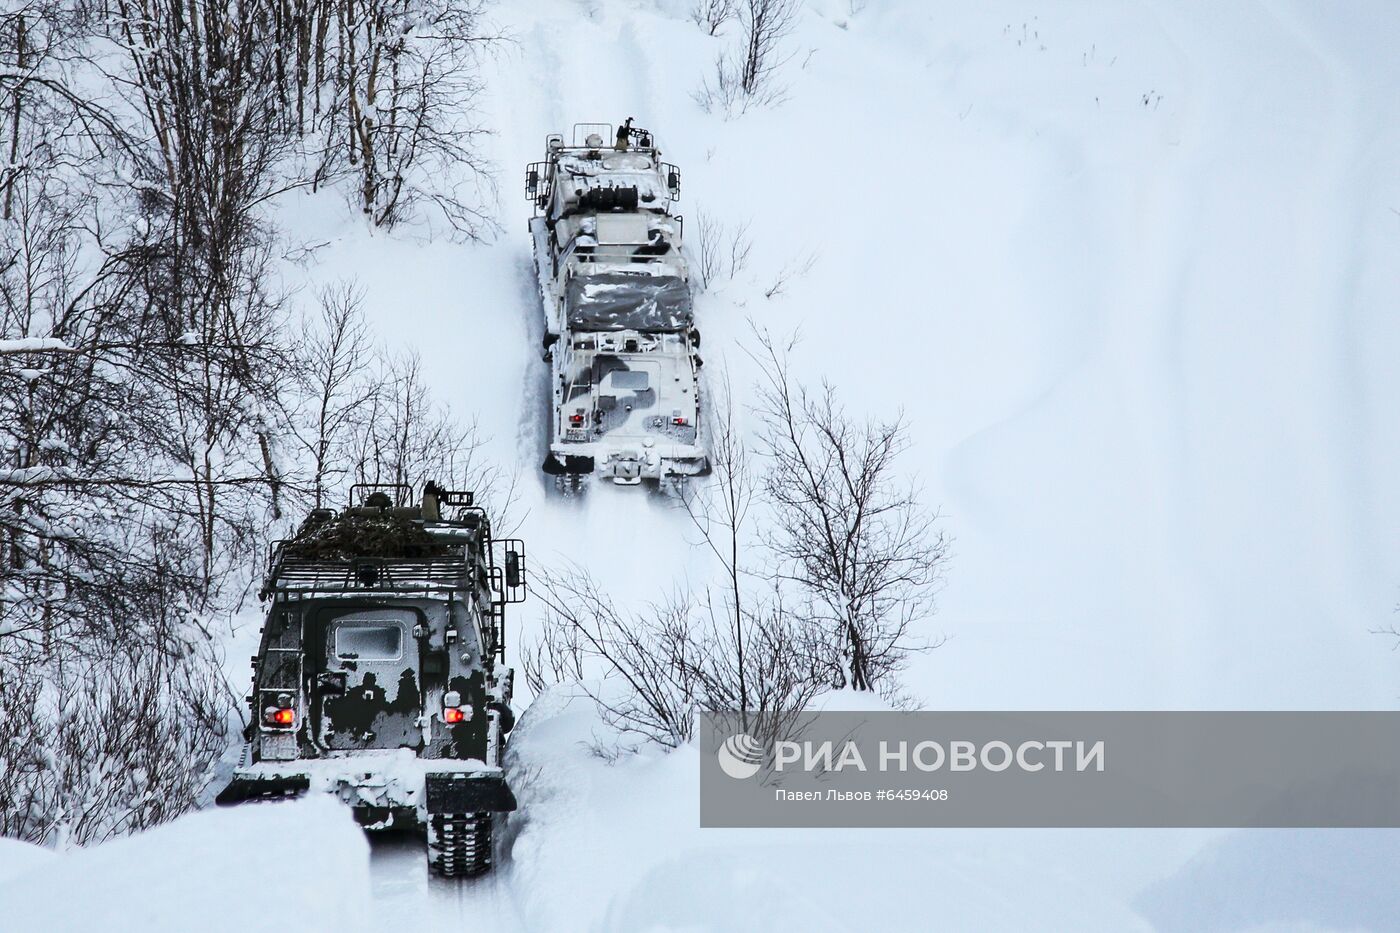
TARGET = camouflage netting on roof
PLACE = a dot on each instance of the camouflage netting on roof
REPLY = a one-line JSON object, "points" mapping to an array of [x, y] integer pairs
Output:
{"points": [[354, 534], [618, 301]]}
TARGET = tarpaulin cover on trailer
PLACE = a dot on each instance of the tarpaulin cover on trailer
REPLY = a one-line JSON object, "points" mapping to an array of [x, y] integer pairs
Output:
{"points": [[617, 301]]}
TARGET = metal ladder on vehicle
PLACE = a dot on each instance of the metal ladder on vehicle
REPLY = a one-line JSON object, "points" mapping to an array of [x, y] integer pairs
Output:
{"points": [[290, 641]]}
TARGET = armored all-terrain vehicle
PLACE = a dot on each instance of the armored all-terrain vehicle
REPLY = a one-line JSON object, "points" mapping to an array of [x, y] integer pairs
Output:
{"points": [[619, 325], [380, 675]]}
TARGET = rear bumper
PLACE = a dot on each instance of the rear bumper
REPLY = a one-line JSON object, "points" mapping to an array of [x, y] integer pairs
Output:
{"points": [[468, 793], [381, 797], [245, 787], [626, 467]]}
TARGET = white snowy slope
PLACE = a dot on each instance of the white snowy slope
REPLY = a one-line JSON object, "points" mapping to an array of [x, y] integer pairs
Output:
{"points": [[18, 857], [256, 869], [1130, 271], [616, 848]]}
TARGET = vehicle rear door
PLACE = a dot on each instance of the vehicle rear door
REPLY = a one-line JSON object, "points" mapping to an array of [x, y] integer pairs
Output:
{"points": [[368, 693], [627, 395]]}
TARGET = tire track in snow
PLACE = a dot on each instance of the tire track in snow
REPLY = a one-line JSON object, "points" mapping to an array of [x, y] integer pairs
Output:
{"points": [[406, 896]]}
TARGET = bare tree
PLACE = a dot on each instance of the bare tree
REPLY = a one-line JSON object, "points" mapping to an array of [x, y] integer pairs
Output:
{"points": [[710, 15], [196, 75], [334, 387], [361, 415], [650, 671], [847, 530], [403, 435], [748, 74], [404, 86], [720, 511], [637, 666], [760, 659], [723, 253], [556, 656], [48, 112], [381, 91], [766, 25]]}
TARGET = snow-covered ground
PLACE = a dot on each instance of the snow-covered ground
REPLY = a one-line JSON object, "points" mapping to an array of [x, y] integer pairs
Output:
{"points": [[257, 869], [1127, 268], [1130, 271]]}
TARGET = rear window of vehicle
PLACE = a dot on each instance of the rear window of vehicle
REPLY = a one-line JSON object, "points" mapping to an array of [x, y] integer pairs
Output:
{"points": [[629, 379], [369, 641]]}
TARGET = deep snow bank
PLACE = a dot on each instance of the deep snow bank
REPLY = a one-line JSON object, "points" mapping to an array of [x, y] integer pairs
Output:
{"points": [[298, 866], [616, 847], [17, 857]]}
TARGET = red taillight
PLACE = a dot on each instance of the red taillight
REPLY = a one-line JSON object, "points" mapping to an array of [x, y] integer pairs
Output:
{"points": [[678, 422], [281, 717], [453, 715], [576, 418]]}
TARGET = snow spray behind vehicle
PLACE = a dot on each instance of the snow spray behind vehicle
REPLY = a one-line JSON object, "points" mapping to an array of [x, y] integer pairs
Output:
{"points": [[380, 675], [619, 325]]}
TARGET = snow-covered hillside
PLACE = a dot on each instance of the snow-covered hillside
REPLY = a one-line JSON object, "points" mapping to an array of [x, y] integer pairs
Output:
{"points": [[1126, 269], [1130, 269]]}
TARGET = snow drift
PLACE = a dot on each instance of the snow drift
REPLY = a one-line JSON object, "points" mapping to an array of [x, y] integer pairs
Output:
{"points": [[302, 865]]}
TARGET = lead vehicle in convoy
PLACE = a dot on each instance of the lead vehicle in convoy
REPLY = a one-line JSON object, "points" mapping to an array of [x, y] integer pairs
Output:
{"points": [[380, 675], [619, 325]]}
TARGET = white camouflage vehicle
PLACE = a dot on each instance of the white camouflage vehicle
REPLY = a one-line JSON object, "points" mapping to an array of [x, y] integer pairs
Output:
{"points": [[619, 325]]}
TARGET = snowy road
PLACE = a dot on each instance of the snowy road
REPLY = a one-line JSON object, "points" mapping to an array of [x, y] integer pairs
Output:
{"points": [[407, 896]]}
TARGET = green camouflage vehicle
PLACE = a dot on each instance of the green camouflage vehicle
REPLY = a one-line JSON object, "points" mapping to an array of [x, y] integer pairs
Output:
{"points": [[380, 676]]}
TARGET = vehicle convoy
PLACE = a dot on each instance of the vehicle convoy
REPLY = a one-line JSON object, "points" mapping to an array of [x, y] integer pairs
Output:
{"points": [[619, 325], [380, 675]]}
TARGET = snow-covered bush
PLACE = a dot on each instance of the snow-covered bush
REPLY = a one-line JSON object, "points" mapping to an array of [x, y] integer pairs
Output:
{"points": [[91, 747], [651, 670]]}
